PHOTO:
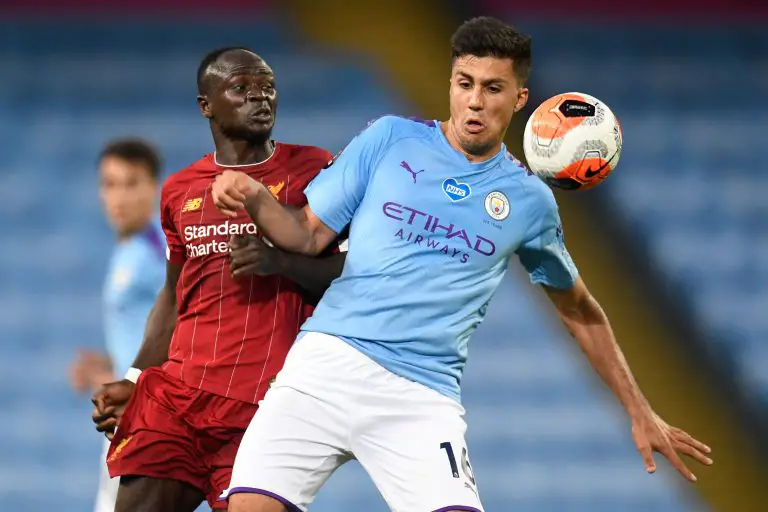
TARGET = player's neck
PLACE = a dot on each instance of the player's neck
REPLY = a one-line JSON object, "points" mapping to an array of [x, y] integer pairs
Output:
{"points": [[241, 152], [447, 128]]}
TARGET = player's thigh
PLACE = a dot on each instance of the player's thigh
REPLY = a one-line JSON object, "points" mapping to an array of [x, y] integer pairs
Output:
{"points": [[144, 494], [291, 447], [154, 439], [258, 503], [418, 458]]}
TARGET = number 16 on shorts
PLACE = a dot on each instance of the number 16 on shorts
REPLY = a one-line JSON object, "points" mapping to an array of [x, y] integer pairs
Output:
{"points": [[458, 464]]}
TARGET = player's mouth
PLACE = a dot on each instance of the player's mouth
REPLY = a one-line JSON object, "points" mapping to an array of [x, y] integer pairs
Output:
{"points": [[262, 115], [474, 126]]}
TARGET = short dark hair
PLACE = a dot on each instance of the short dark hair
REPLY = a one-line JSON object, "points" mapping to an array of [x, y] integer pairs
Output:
{"points": [[489, 37], [136, 151], [211, 58]]}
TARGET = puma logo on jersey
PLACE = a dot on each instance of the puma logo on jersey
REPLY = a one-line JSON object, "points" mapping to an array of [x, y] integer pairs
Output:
{"points": [[275, 189], [192, 204]]}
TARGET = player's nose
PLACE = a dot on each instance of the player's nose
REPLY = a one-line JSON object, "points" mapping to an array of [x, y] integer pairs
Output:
{"points": [[476, 100], [255, 94]]}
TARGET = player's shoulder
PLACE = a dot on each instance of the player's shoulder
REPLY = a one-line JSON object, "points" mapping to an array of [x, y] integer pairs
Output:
{"points": [[390, 125], [178, 182], [143, 253], [304, 162], [390, 128], [304, 155], [152, 241], [190, 172], [147, 244], [539, 193]]}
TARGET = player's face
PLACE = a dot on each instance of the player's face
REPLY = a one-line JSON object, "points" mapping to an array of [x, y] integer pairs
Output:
{"points": [[484, 95], [243, 98], [128, 194]]}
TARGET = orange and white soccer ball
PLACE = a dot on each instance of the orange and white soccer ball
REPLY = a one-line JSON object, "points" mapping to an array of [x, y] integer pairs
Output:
{"points": [[572, 141]]}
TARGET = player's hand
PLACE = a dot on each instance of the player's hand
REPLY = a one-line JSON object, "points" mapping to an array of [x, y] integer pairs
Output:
{"points": [[652, 434], [109, 403], [231, 189], [90, 370], [250, 255]]}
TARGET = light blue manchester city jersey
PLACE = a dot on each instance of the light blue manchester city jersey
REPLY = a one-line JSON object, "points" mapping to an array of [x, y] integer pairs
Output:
{"points": [[136, 274], [430, 238]]}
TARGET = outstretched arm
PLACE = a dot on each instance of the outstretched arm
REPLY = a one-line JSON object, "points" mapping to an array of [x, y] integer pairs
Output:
{"points": [[587, 323], [291, 229]]}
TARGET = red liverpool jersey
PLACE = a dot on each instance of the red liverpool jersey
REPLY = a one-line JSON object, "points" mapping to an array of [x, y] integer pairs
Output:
{"points": [[232, 335]]}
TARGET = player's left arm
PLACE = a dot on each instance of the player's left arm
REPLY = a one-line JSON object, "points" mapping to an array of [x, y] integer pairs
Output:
{"points": [[549, 264], [586, 321]]}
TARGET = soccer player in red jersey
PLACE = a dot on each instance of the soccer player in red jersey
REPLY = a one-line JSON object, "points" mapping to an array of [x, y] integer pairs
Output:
{"points": [[230, 309]]}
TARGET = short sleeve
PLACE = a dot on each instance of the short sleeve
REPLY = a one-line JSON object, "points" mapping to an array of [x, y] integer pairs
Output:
{"points": [[175, 251], [336, 193], [543, 254], [311, 162]]}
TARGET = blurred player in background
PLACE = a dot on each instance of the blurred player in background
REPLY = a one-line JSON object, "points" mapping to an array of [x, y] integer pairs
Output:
{"points": [[437, 211], [198, 377], [129, 173]]}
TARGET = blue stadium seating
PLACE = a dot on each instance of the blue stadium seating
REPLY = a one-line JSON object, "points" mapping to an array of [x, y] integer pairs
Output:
{"points": [[544, 435], [691, 182]]}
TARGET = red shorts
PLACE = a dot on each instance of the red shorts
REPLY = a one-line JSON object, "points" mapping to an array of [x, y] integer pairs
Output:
{"points": [[171, 430]]}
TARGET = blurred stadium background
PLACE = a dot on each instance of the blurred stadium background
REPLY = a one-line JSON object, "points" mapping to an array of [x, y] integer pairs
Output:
{"points": [[675, 244]]}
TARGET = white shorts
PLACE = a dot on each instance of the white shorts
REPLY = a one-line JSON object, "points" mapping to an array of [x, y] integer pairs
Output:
{"points": [[106, 497], [330, 404]]}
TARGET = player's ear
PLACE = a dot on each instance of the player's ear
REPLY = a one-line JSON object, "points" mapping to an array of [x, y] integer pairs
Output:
{"points": [[205, 107], [522, 99]]}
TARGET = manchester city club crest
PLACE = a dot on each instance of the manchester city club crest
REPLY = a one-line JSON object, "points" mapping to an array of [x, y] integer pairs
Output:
{"points": [[497, 205]]}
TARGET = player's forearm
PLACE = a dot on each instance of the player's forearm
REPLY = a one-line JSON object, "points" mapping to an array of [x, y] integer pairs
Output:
{"points": [[589, 325], [314, 275], [286, 227], [158, 332]]}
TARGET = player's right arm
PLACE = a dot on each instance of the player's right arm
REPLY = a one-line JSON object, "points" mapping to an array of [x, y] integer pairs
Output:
{"points": [[292, 229], [333, 196], [110, 400]]}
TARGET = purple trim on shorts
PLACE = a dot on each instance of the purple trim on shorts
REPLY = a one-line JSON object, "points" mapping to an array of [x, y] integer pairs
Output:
{"points": [[459, 508], [252, 490], [152, 235]]}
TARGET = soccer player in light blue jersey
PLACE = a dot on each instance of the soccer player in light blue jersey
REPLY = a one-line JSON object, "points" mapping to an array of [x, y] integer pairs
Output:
{"points": [[437, 210], [129, 173]]}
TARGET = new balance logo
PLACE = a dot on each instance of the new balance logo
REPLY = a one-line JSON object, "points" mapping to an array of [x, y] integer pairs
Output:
{"points": [[407, 167], [192, 205]]}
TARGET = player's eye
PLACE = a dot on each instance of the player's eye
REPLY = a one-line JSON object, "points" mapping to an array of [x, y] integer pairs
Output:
{"points": [[493, 89], [465, 85], [238, 88]]}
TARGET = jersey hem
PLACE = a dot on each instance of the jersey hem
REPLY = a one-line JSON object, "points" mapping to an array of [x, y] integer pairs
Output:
{"points": [[194, 378], [448, 393]]}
